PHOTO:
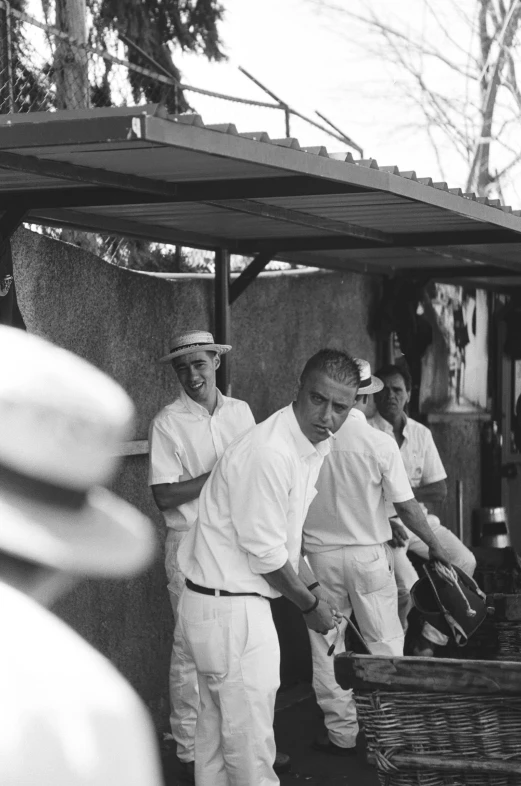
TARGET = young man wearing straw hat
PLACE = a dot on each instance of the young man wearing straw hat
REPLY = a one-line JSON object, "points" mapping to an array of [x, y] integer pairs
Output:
{"points": [[186, 438], [345, 541], [67, 717]]}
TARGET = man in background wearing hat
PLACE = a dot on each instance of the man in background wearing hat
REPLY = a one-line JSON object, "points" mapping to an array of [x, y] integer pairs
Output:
{"points": [[428, 480], [243, 550], [186, 439], [345, 541], [67, 717]]}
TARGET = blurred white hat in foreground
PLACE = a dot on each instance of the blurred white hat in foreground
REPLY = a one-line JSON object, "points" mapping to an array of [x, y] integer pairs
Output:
{"points": [[62, 425]]}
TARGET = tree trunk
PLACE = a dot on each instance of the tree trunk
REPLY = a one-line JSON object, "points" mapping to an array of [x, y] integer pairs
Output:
{"points": [[479, 176], [70, 61]]}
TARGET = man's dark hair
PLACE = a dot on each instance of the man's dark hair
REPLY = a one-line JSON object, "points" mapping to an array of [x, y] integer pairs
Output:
{"points": [[390, 370], [336, 364]]}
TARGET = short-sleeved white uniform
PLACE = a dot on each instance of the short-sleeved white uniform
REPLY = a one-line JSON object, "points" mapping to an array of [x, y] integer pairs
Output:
{"points": [[185, 442]]}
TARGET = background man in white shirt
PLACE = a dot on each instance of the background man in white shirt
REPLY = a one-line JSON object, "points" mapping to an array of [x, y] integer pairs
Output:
{"points": [[186, 438], [67, 717], [428, 480], [345, 541], [245, 549]]}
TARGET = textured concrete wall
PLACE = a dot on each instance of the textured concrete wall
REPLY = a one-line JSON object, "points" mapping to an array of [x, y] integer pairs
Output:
{"points": [[122, 322]]}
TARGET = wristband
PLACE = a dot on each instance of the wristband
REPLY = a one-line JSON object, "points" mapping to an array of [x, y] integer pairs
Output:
{"points": [[313, 607], [314, 585]]}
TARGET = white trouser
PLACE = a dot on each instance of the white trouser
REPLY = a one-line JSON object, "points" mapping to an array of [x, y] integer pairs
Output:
{"points": [[236, 651], [359, 579], [184, 691], [406, 575]]}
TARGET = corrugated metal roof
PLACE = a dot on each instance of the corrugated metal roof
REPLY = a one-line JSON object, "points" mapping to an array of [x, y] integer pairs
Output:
{"points": [[139, 171]]}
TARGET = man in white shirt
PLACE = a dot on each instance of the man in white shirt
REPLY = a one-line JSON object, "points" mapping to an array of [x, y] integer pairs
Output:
{"points": [[186, 438], [345, 541], [427, 477], [67, 717], [245, 549]]}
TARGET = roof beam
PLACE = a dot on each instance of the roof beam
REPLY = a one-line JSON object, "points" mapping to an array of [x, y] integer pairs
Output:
{"points": [[155, 233], [300, 218], [402, 240], [470, 271], [249, 274]]}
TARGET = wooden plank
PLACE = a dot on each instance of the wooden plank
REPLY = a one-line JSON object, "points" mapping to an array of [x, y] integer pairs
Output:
{"points": [[137, 447], [428, 675], [447, 764]]}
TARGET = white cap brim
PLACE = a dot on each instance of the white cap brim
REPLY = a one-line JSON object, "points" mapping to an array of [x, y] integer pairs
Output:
{"points": [[107, 537]]}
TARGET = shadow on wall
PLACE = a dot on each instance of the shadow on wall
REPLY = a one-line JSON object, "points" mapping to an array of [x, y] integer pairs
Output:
{"points": [[122, 322]]}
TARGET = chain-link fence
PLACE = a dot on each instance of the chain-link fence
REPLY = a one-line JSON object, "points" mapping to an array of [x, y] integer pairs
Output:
{"points": [[44, 69]]}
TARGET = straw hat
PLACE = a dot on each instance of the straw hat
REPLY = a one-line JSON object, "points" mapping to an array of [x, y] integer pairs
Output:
{"points": [[63, 422], [194, 341], [368, 383]]}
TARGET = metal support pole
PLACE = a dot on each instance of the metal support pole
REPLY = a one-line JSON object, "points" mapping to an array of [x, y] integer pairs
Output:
{"points": [[222, 315], [287, 115], [459, 510]]}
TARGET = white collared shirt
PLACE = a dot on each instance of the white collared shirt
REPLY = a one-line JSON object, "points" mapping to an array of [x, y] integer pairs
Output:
{"points": [[418, 451], [252, 508], [185, 441], [363, 469]]}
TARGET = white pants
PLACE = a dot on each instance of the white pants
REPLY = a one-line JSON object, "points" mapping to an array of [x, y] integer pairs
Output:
{"points": [[359, 579], [406, 575], [184, 691], [235, 647]]}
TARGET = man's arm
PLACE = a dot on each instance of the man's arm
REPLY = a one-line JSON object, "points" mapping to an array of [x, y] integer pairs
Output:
{"points": [[286, 581], [168, 496], [431, 492], [412, 516]]}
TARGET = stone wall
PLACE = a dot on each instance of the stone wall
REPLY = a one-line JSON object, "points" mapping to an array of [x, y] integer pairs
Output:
{"points": [[122, 322]]}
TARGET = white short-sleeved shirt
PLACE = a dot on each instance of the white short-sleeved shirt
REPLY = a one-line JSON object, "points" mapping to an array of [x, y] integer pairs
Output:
{"points": [[185, 442], [363, 469], [67, 717], [252, 509], [418, 451]]}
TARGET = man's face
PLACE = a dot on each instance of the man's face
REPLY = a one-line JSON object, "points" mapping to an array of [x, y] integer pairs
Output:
{"points": [[196, 373], [391, 400], [322, 404]]}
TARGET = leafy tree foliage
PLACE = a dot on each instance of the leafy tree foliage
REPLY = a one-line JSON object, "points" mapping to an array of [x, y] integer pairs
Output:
{"points": [[153, 26]]}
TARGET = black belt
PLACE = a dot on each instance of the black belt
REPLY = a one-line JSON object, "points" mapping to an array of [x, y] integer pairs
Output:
{"points": [[219, 593]]}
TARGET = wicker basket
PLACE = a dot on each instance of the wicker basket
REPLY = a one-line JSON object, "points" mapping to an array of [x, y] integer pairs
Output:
{"points": [[438, 722]]}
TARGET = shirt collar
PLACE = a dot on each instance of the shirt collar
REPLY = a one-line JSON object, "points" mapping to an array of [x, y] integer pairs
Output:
{"points": [[357, 414], [384, 425], [304, 446], [198, 410]]}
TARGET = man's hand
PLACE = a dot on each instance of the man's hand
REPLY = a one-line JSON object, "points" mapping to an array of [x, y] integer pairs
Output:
{"points": [[321, 619], [400, 536], [437, 553], [321, 594]]}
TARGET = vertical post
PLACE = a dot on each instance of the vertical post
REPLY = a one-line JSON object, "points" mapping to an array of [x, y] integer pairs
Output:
{"points": [[222, 315], [459, 510], [9, 57], [4, 59], [287, 115]]}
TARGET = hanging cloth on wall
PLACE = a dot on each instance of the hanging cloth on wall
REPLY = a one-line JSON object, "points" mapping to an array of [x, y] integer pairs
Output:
{"points": [[9, 311]]}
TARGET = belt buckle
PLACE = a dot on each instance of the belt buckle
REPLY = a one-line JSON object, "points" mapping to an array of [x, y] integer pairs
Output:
{"points": [[217, 593]]}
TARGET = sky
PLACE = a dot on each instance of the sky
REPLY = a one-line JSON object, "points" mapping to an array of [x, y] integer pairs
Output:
{"points": [[314, 59]]}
